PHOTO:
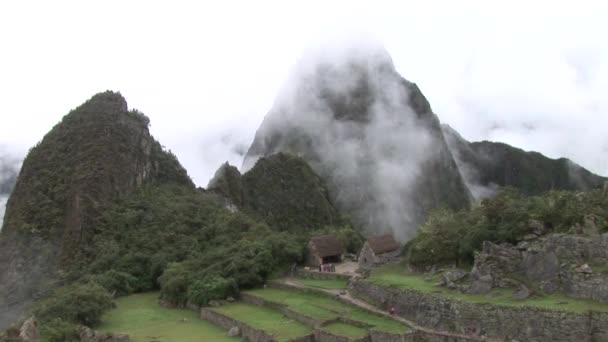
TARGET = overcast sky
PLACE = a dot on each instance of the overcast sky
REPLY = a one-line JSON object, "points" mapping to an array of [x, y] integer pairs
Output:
{"points": [[532, 74]]}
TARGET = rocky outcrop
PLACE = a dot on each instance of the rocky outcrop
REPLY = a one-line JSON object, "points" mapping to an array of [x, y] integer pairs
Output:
{"points": [[98, 152], [370, 134], [487, 165], [88, 335], [555, 262]]}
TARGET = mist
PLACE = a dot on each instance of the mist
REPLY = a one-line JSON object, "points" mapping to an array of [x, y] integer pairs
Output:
{"points": [[9, 168], [345, 110]]}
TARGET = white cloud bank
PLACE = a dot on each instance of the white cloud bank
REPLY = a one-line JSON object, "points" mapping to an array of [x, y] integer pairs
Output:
{"points": [[530, 74]]}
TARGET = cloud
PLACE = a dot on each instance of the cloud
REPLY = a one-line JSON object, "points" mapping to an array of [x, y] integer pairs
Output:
{"points": [[491, 70]]}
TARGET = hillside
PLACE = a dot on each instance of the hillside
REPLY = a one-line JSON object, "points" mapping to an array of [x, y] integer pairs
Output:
{"points": [[370, 134], [97, 152], [487, 165], [280, 189]]}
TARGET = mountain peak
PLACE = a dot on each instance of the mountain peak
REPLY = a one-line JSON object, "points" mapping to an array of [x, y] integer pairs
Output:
{"points": [[107, 101]]}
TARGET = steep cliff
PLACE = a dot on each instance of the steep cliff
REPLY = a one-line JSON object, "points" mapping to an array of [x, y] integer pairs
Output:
{"points": [[280, 189], [97, 152], [370, 134], [487, 165]]}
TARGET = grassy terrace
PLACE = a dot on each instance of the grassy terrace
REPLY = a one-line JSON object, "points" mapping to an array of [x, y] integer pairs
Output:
{"points": [[324, 284], [144, 320], [345, 330], [397, 276], [321, 307], [265, 319]]}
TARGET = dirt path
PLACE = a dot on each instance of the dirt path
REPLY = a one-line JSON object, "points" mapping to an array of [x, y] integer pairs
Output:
{"points": [[345, 295]]}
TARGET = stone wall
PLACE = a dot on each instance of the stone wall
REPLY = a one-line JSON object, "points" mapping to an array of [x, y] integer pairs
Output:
{"points": [[302, 273], [252, 334], [556, 262], [325, 336], [522, 324], [368, 259], [306, 320]]}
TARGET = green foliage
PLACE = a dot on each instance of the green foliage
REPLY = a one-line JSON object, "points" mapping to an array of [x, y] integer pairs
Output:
{"points": [[57, 330], [210, 288], [80, 303], [286, 193], [453, 237], [119, 283], [184, 242]]}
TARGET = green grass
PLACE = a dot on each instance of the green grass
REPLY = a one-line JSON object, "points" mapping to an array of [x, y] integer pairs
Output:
{"points": [[329, 284], [322, 307], [346, 330], [397, 276], [265, 319], [143, 319]]}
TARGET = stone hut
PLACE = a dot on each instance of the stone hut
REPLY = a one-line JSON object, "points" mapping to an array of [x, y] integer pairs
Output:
{"points": [[324, 249], [378, 250]]}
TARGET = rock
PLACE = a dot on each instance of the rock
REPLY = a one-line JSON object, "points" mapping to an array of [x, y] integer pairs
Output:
{"points": [[540, 266], [584, 268], [522, 245], [454, 276], [522, 293], [483, 285], [234, 331], [536, 227], [550, 286], [89, 335], [230, 299], [29, 331], [530, 237], [214, 303], [590, 226]]}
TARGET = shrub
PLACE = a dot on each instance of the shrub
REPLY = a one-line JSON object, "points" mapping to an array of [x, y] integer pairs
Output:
{"points": [[81, 303]]}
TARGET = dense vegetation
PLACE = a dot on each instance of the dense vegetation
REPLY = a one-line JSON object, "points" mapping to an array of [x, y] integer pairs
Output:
{"points": [[176, 239], [450, 237], [281, 190]]}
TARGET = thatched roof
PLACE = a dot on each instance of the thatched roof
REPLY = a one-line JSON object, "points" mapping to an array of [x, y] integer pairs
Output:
{"points": [[382, 244], [327, 245]]}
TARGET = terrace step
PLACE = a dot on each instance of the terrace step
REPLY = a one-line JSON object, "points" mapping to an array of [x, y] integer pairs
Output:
{"points": [[344, 296]]}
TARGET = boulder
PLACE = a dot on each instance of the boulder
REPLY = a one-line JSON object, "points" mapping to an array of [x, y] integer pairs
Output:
{"points": [[539, 266], [522, 293], [536, 227], [214, 303], [482, 285], [230, 299], [590, 227], [29, 331], [497, 261], [453, 276], [550, 286], [234, 331], [584, 268]]}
